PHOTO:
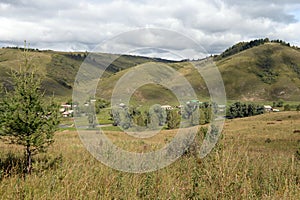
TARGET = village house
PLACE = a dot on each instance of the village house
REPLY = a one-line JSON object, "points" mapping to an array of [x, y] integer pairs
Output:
{"points": [[268, 108], [166, 107], [66, 110]]}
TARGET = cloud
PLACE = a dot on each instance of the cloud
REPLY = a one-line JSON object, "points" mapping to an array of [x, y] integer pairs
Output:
{"points": [[81, 25]]}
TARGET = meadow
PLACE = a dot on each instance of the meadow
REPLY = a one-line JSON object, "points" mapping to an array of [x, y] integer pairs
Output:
{"points": [[254, 159]]}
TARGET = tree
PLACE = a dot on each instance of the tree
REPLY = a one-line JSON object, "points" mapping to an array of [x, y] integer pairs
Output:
{"points": [[27, 118], [207, 115], [91, 116], [239, 109], [121, 117], [173, 119], [140, 120], [251, 110], [100, 104], [287, 107], [191, 112], [157, 116], [280, 103], [298, 108]]}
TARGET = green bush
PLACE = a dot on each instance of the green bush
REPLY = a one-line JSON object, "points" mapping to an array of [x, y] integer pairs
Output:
{"points": [[287, 107]]}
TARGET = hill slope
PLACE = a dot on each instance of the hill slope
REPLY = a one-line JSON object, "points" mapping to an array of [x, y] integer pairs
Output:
{"points": [[269, 71], [58, 69]]}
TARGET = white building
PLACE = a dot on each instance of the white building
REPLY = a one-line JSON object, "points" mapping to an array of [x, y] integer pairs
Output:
{"points": [[166, 107], [268, 108]]}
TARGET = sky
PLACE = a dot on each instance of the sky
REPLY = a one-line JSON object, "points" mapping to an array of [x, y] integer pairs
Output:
{"points": [[81, 25]]}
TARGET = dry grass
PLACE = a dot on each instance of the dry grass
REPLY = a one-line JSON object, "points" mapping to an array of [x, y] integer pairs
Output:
{"points": [[244, 165]]}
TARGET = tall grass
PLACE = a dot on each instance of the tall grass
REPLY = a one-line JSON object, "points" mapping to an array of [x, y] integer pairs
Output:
{"points": [[238, 168]]}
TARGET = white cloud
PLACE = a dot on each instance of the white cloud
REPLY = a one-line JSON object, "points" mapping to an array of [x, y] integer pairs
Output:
{"points": [[76, 25]]}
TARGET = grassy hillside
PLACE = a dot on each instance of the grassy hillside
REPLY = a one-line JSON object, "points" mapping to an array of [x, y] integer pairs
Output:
{"points": [[269, 71], [265, 72], [59, 69]]}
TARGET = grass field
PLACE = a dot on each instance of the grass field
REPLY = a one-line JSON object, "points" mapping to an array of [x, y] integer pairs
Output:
{"points": [[254, 159]]}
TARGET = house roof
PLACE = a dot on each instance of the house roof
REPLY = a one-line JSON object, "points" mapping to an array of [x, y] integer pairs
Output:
{"points": [[166, 106], [267, 107]]}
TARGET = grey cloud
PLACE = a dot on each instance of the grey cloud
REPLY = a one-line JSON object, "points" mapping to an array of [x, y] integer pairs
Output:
{"points": [[274, 10], [215, 25]]}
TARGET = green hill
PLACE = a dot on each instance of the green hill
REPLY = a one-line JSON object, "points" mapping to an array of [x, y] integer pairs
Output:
{"points": [[266, 72], [58, 69], [262, 70]]}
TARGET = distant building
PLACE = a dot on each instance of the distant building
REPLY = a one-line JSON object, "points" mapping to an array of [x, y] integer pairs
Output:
{"points": [[221, 108], [268, 108], [122, 105], [180, 106], [66, 110], [194, 101], [166, 107]]}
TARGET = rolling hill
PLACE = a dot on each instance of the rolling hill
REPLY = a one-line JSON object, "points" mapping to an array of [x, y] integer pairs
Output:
{"points": [[266, 71], [58, 69]]}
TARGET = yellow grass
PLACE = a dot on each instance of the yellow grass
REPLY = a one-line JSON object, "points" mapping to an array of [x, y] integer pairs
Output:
{"points": [[244, 165]]}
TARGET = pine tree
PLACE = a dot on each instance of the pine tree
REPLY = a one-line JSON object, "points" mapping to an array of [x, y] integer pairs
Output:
{"points": [[26, 117]]}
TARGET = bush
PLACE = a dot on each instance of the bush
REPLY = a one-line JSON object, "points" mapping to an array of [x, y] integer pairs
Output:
{"points": [[287, 107], [298, 108], [173, 119], [239, 110]]}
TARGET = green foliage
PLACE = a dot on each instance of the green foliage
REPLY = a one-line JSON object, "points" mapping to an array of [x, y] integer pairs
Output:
{"points": [[288, 60], [281, 42], [266, 63], [191, 112], [101, 104], [207, 115], [239, 110], [298, 108], [157, 116], [278, 104], [137, 117], [128, 117], [27, 118], [91, 116], [287, 107], [242, 46], [140, 120], [121, 117], [173, 119]]}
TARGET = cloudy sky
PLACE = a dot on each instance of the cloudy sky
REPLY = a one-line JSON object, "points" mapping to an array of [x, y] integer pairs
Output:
{"points": [[81, 25]]}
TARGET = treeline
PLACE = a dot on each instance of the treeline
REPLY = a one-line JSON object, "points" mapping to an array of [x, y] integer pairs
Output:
{"points": [[239, 110], [77, 56], [27, 49], [241, 46], [191, 114]]}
